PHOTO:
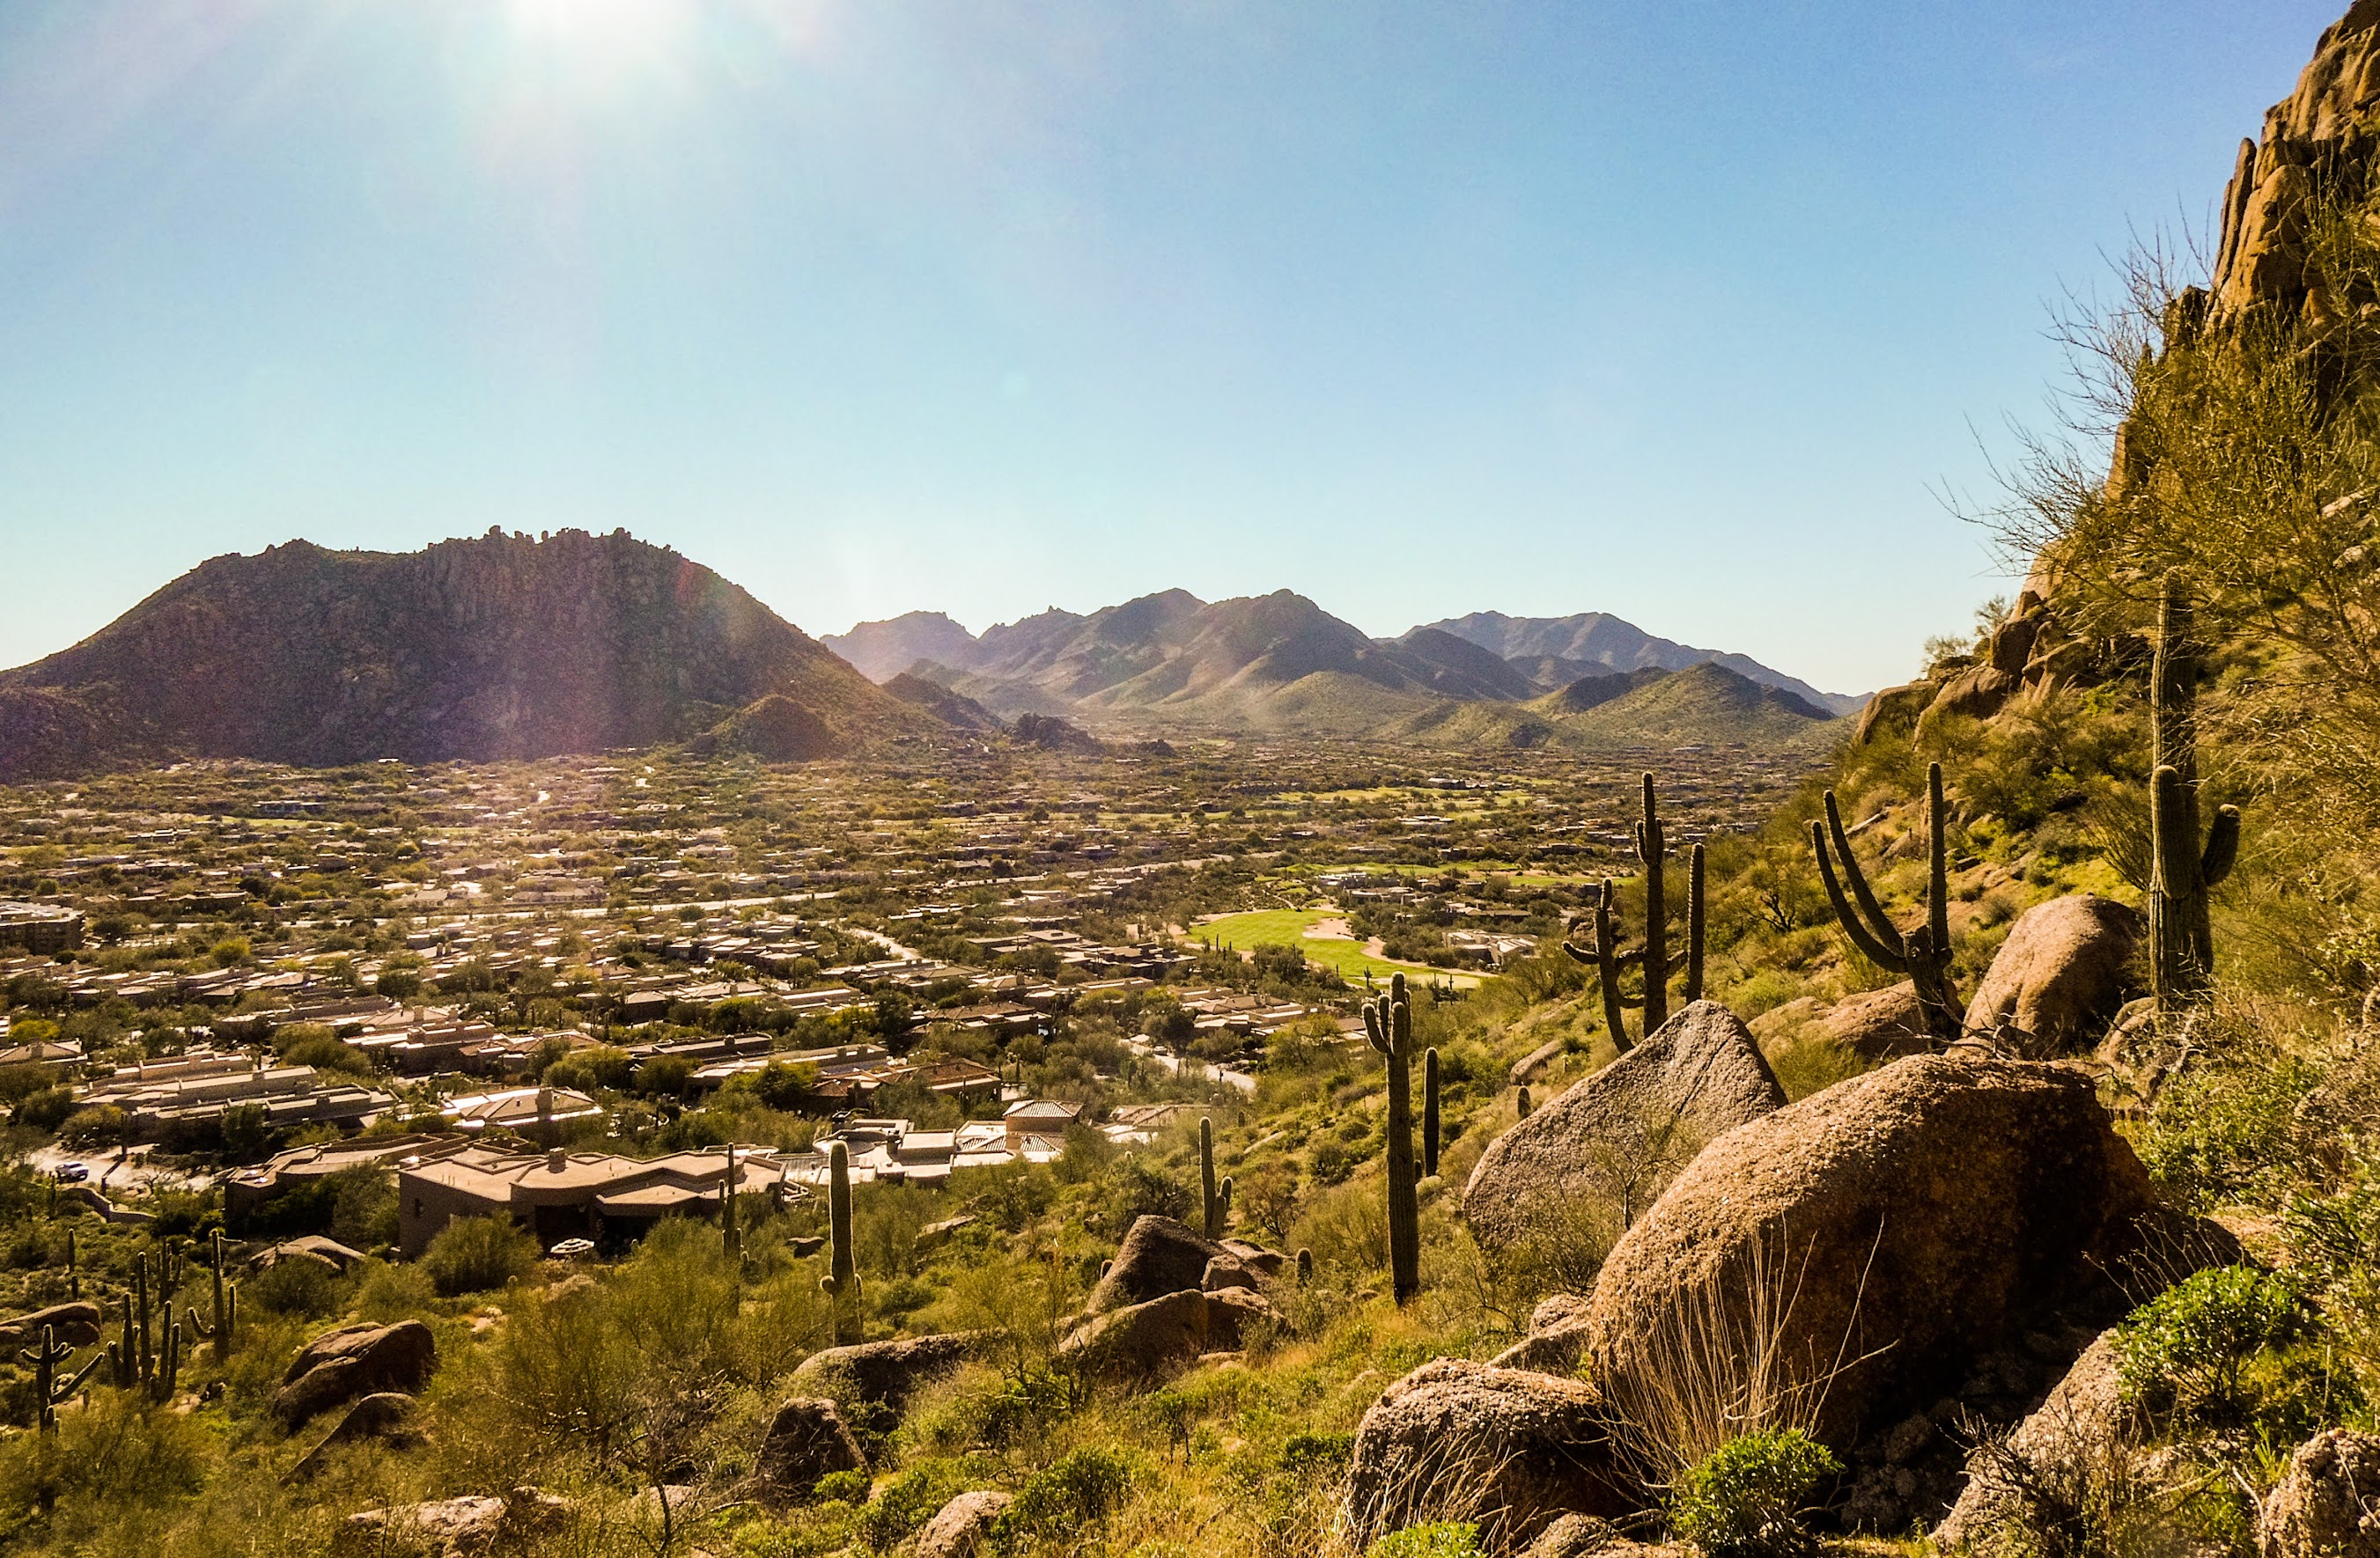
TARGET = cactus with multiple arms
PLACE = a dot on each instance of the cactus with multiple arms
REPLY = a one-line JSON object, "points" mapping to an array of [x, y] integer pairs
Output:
{"points": [[2181, 939], [1609, 958], [1923, 954], [1215, 1200], [841, 1281], [48, 1390], [226, 1310], [1389, 1024]]}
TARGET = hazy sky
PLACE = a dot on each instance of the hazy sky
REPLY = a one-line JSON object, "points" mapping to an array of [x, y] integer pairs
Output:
{"points": [[1676, 310]]}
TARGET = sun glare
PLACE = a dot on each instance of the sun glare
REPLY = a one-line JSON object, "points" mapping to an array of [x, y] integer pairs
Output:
{"points": [[606, 37]]}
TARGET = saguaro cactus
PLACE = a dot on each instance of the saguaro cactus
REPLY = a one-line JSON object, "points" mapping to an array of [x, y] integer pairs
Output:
{"points": [[1389, 1024], [1609, 958], [74, 1278], [48, 1390], [169, 1360], [2181, 937], [729, 1233], [841, 1281], [1215, 1199], [226, 1308], [1430, 1113], [1924, 953]]}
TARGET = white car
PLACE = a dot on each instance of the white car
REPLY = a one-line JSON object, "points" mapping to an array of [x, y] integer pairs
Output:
{"points": [[72, 1173]]}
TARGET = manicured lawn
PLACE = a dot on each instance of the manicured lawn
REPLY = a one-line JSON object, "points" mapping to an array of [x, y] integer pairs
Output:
{"points": [[1286, 927]]}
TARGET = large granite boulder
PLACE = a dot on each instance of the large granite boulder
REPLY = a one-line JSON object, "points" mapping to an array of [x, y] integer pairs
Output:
{"points": [[1158, 1256], [1976, 693], [2327, 1505], [1880, 1025], [1143, 1342], [1457, 1440], [2061, 976], [807, 1440], [1893, 708], [1892, 1228], [355, 1360], [74, 1325], [1616, 1134], [887, 1371], [382, 1417], [1557, 1333]]}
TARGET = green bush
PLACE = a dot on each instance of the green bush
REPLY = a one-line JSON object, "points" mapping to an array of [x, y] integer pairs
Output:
{"points": [[1440, 1538], [2221, 1135], [301, 1285], [473, 1254], [1073, 1492], [2226, 1348], [1746, 1499]]}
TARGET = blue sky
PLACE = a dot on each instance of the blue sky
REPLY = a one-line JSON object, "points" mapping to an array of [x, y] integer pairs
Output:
{"points": [[1679, 311]]}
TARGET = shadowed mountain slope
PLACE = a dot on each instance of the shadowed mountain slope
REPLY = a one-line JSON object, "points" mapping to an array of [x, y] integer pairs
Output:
{"points": [[502, 646], [1602, 639]]}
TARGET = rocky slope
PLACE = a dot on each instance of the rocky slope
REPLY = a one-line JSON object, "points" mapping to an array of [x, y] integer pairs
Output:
{"points": [[502, 646]]}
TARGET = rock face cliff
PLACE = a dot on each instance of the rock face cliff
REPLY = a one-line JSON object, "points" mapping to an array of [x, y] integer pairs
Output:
{"points": [[502, 646], [2320, 139]]}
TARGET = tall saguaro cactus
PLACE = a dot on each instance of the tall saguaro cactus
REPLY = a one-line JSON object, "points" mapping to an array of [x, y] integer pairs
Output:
{"points": [[1215, 1200], [1653, 957], [2181, 937], [1924, 953], [1430, 1113], [48, 1390], [841, 1281], [227, 1308], [730, 1234], [1389, 1024]]}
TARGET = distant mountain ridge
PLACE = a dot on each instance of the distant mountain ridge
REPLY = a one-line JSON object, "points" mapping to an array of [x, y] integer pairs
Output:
{"points": [[496, 647], [1599, 638], [1279, 662]]}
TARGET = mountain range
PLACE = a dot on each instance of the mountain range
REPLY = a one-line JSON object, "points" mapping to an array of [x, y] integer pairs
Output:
{"points": [[1280, 662], [507, 646]]}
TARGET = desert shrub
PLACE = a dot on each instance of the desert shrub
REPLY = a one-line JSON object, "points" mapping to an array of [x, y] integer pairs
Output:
{"points": [[386, 1293], [904, 1505], [842, 1487], [1747, 1499], [2223, 1349], [45, 1110], [301, 1287], [1079, 1488], [1439, 1538], [1138, 1187], [473, 1254], [1344, 1228], [2222, 1135]]}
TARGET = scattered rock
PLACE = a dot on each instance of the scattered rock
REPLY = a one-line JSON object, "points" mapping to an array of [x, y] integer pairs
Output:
{"points": [[1606, 1137], [811, 1243], [2062, 975], [313, 1247], [960, 1529], [385, 1417], [1226, 1271], [1917, 1216], [355, 1360], [807, 1440], [888, 1371], [472, 1523], [1558, 1332], [1525, 1071], [933, 1235], [1264, 1263], [1583, 1536], [1158, 1256], [1460, 1440], [2082, 1419], [2327, 1505], [75, 1325]]}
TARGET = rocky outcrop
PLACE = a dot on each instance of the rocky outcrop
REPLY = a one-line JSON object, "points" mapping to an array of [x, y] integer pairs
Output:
{"points": [[1917, 1216], [2327, 1505], [890, 1371], [1894, 709], [1880, 1025], [1613, 1136], [1457, 1440], [807, 1440], [452, 1528], [962, 1527], [355, 1360], [2060, 977], [1158, 1256], [1977, 692]]}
